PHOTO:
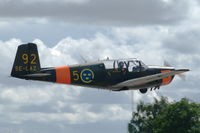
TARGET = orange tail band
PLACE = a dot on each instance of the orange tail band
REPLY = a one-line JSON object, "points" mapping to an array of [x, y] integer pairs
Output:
{"points": [[63, 75]]}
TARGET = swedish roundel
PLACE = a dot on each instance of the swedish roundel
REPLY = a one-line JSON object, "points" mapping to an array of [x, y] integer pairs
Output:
{"points": [[87, 75]]}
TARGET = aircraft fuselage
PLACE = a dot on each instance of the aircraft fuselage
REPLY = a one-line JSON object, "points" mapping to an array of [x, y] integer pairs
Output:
{"points": [[97, 76], [116, 75]]}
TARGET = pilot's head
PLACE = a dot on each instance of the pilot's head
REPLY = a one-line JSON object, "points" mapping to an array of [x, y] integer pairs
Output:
{"points": [[120, 64]]}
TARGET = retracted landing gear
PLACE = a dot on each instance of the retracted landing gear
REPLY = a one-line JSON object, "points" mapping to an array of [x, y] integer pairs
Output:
{"points": [[144, 90]]}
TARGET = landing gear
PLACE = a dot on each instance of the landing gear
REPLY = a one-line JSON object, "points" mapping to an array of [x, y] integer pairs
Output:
{"points": [[144, 90], [156, 87]]}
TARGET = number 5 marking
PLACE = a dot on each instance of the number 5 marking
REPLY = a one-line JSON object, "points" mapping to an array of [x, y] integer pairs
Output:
{"points": [[76, 75]]}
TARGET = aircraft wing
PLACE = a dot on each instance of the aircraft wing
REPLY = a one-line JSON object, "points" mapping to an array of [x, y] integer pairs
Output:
{"points": [[147, 79]]}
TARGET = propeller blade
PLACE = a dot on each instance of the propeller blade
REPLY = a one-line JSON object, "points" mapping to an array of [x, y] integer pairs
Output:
{"points": [[181, 76], [166, 63]]}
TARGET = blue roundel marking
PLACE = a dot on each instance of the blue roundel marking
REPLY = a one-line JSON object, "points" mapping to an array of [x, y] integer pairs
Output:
{"points": [[87, 75]]}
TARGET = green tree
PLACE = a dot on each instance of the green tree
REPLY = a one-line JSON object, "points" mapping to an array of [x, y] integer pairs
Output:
{"points": [[164, 117]]}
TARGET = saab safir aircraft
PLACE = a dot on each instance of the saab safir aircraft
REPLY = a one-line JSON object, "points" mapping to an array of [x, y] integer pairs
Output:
{"points": [[115, 75]]}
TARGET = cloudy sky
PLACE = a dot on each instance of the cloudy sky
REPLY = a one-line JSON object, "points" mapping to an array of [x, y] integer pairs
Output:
{"points": [[65, 30]]}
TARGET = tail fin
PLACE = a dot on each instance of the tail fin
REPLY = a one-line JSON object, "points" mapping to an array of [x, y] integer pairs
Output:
{"points": [[26, 60]]}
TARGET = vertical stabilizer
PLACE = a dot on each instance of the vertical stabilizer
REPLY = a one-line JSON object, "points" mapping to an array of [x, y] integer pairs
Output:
{"points": [[26, 60]]}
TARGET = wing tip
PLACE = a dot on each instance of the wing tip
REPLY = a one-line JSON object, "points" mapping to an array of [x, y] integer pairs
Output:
{"points": [[183, 70], [179, 71]]}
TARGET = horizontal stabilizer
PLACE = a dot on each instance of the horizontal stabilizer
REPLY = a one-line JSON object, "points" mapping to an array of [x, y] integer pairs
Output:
{"points": [[37, 75]]}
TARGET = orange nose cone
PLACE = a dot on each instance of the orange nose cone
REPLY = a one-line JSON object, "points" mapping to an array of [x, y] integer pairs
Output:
{"points": [[167, 80]]}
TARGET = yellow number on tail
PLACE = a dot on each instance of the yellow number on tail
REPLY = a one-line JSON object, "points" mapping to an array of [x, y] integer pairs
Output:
{"points": [[25, 58], [34, 59]]}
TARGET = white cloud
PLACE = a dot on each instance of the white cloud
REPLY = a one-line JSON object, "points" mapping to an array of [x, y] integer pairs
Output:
{"points": [[81, 115], [116, 112], [26, 96]]}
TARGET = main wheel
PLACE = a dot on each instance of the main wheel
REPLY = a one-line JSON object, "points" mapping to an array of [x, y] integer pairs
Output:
{"points": [[144, 90]]}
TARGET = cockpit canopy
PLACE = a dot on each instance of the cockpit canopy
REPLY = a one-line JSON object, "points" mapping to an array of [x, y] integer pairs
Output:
{"points": [[132, 65]]}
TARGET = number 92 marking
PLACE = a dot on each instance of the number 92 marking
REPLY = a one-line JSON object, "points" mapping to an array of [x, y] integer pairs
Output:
{"points": [[25, 58]]}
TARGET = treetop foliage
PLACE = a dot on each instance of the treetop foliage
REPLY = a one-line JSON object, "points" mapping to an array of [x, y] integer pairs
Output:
{"points": [[165, 117]]}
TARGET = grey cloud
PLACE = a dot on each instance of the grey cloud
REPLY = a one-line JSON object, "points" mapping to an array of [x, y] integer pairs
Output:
{"points": [[186, 42], [63, 127], [109, 97], [45, 108], [182, 50], [113, 12]]}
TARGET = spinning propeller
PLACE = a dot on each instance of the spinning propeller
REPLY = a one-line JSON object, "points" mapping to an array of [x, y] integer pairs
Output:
{"points": [[181, 76]]}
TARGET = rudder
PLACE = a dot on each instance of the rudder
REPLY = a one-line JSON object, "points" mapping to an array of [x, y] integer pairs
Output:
{"points": [[26, 60]]}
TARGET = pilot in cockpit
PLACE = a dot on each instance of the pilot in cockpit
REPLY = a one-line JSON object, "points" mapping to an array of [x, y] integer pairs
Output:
{"points": [[137, 66], [122, 66]]}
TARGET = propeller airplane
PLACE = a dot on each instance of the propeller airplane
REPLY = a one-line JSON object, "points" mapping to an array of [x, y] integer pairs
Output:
{"points": [[115, 75]]}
